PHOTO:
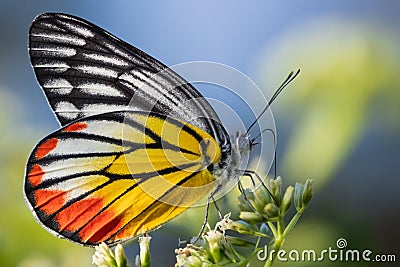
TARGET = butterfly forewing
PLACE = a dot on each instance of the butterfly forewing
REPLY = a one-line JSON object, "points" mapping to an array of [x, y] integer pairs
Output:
{"points": [[84, 183], [84, 70]]}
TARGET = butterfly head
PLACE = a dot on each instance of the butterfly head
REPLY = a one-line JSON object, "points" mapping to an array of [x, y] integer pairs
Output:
{"points": [[240, 145], [243, 143]]}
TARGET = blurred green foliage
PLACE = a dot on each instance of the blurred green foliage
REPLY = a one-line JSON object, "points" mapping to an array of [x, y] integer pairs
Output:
{"points": [[23, 242], [349, 70], [348, 86]]}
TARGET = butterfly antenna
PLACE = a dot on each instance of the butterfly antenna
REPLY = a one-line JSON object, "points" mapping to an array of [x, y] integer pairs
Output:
{"points": [[263, 131], [253, 142], [290, 78]]}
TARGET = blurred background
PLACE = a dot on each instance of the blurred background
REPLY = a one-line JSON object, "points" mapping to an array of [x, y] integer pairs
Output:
{"points": [[337, 123]]}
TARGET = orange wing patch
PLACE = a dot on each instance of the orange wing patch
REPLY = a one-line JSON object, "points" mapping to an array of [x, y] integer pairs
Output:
{"points": [[35, 175], [77, 214], [78, 126], [49, 201], [101, 228], [46, 148]]}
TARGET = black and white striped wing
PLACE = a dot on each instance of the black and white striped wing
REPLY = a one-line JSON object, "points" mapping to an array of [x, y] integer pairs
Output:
{"points": [[84, 70]]}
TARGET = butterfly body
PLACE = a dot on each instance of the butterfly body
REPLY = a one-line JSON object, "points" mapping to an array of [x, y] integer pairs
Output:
{"points": [[138, 144]]}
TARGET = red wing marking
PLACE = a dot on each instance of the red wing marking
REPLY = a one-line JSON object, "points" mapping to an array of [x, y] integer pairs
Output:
{"points": [[35, 175], [76, 127], [101, 227], [78, 214], [49, 201], [45, 148]]}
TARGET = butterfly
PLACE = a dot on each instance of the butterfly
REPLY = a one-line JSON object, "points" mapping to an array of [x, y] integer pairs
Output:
{"points": [[138, 144]]}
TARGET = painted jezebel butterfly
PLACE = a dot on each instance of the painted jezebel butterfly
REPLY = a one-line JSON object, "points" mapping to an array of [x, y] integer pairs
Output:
{"points": [[138, 144]]}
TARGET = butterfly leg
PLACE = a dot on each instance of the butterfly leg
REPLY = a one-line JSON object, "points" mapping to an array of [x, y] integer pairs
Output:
{"points": [[243, 192], [209, 199], [204, 222], [250, 174], [217, 208], [241, 189]]}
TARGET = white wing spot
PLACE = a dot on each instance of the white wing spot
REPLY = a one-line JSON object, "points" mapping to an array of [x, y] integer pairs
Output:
{"points": [[57, 67], [50, 26], [79, 30], [111, 129], [107, 59], [61, 38], [69, 166], [147, 84], [57, 51], [76, 146], [128, 77], [58, 85], [92, 109], [67, 110], [116, 50], [61, 65], [78, 186], [97, 71], [100, 89]]}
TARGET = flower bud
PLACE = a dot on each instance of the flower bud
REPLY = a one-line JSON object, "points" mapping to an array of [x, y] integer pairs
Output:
{"points": [[214, 239], [298, 196], [120, 256], [262, 197], [246, 200], [103, 256], [144, 245], [271, 210], [137, 261], [194, 261], [287, 199], [249, 195], [190, 257], [245, 207], [276, 188], [250, 217], [307, 193], [242, 228]]}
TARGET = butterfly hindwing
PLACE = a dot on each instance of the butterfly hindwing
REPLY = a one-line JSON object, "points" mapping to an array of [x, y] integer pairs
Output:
{"points": [[109, 177]]}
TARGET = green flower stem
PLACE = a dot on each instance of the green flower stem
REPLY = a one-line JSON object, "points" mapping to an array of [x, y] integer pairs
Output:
{"points": [[279, 238], [281, 233], [293, 221], [273, 229], [281, 226]]}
